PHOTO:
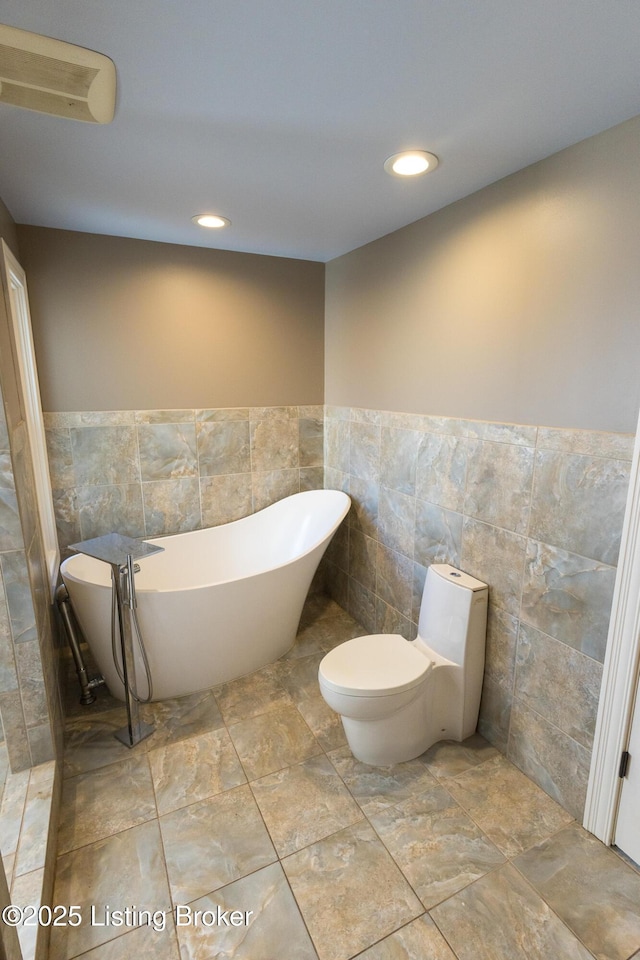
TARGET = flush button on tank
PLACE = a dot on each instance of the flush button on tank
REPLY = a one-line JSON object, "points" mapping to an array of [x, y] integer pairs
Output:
{"points": [[454, 573]]}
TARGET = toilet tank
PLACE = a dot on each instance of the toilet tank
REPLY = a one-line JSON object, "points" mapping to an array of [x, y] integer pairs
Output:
{"points": [[453, 614]]}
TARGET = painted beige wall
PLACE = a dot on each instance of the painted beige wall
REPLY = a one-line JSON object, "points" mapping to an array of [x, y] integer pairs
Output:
{"points": [[132, 324], [519, 303]]}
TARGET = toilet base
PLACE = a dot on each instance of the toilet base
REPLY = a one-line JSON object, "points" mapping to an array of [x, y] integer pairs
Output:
{"points": [[379, 751], [397, 738]]}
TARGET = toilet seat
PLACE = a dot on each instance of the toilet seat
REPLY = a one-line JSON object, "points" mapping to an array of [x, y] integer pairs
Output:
{"points": [[378, 665]]}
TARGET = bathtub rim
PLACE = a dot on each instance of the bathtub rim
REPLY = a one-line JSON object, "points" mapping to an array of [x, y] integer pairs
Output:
{"points": [[140, 591]]}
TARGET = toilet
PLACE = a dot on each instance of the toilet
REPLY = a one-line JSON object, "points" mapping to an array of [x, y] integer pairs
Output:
{"points": [[396, 697]]}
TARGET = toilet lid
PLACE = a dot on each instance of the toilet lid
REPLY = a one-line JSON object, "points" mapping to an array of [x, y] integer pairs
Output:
{"points": [[374, 666]]}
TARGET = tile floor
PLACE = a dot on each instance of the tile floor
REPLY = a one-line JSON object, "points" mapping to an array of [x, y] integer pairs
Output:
{"points": [[246, 805]]}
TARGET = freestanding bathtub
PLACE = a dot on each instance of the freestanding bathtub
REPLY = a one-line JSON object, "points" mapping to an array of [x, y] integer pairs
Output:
{"points": [[218, 603]]}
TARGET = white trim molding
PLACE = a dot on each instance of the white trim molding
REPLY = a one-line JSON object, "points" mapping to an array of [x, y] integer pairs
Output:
{"points": [[620, 674]]}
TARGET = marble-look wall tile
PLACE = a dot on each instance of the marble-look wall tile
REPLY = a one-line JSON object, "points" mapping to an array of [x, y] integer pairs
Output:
{"points": [[18, 593], [438, 534], [486, 499], [579, 502], [500, 651], [390, 620], [10, 528], [311, 478], [274, 444], [31, 680], [89, 418], [164, 416], [29, 700], [553, 760], [362, 605], [272, 485], [568, 597], [441, 470], [167, 451], [398, 456], [502, 432], [222, 413], [105, 455], [559, 683], [394, 581], [171, 506], [110, 508], [338, 549], [223, 447], [187, 468], [336, 444], [495, 713], [8, 674], [364, 451], [361, 562], [396, 520], [15, 728], [496, 557], [589, 443], [365, 505], [498, 489], [310, 441], [419, 578], [225, 498]]}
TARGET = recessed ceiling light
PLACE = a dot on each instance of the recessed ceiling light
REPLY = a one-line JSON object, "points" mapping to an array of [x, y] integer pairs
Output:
{"points": [[411, 163], [211, 220]]}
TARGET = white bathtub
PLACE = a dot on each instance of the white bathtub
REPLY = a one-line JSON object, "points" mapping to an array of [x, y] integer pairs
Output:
{"points": [[217, 603]]}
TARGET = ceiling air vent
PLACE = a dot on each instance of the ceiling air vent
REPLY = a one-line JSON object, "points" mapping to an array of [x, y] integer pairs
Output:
{"points": [[51, 76]]}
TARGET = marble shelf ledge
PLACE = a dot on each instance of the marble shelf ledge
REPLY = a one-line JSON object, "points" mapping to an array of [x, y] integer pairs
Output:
{"points": [[28, 822]]}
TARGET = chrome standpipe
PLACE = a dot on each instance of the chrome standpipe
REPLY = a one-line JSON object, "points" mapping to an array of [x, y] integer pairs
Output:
{"points": [[125, 586], [120, 552]]}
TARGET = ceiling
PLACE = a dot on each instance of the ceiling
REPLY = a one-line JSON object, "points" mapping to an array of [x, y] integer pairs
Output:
{"points": [[279, 114]]}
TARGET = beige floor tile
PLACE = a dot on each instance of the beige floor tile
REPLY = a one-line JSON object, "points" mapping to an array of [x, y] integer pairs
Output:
{"points": [[500, 917], [590, 888], [194, 769], [318, 607], [250, 696], [274, 929], [299, 677], [27, 891], [181, 717], [448, 758], [323, 635], [123, 870], [90, 742], [354, 896], [273, 741], [350, 892], [214, 842], [419, 940], [376, 788], [507, 806], [105, 801], [144, 943], [324, 723], [437, 846], [304, 803]]}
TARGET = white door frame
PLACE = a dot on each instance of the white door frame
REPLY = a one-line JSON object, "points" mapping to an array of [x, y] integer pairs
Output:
{"points": [[620, 674]]}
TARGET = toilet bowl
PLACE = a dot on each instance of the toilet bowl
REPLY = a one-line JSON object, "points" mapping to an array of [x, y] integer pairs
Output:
{"points": [[397, 697]]}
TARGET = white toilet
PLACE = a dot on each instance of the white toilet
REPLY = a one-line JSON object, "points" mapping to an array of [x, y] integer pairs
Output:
{"points": [[398, 697]]}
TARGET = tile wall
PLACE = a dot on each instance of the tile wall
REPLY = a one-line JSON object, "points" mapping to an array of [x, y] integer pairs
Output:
{"points": [[155, 472], [536, 513], [29, 693]]}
